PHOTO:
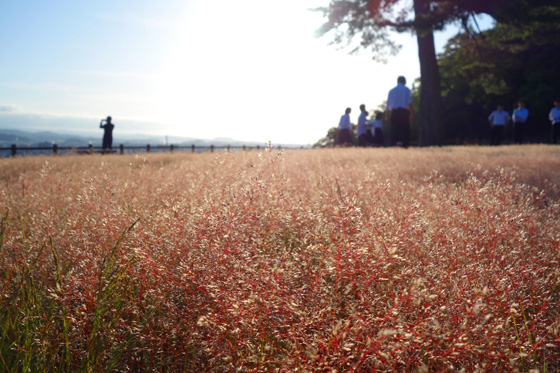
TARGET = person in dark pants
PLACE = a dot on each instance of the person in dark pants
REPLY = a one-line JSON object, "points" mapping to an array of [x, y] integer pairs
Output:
{"points": [[498, 120], [365, 138], [378, 137], [554, 117], [108, 135], [520, 116], [399, 112]]}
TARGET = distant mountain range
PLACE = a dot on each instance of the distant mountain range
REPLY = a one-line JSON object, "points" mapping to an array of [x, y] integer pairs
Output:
{"points": [[47, 138]]}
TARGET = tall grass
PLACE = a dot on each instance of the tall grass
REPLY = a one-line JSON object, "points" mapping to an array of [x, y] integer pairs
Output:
{"points": [[312, 260]]}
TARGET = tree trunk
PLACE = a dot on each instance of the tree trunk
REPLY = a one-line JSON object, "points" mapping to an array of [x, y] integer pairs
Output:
{"points": [[431, 106]]}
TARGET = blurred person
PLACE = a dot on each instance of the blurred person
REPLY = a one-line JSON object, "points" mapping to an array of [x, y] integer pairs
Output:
{"points": [[400, 112], [554, 117], [108, 135], [345, 129], [498, 119], [365, 138], [520, 116], [377, 124]]}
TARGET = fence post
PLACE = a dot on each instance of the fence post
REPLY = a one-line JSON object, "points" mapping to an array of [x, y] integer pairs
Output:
{"points": [[171, 147], [121, 149], [55, 149], [14, 150], [192, 148], [148, 147], [211, 148]]}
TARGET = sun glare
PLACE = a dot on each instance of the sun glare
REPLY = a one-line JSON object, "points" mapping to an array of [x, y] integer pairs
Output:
{"points": [[225, 77]]}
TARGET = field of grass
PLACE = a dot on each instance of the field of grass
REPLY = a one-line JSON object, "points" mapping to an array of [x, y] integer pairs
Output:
{"points": [[417, 260]]}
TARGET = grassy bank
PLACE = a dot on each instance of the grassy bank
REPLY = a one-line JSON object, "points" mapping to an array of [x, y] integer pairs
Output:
{"points": [[312, 260]]}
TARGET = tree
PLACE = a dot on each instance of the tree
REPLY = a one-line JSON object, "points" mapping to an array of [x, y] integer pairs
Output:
{"points": [[331, 139], [373, 19], [509, 62]]}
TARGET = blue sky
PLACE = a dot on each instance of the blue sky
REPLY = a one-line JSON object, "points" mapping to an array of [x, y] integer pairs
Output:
{"points": [[250, 69], [71, 58]]}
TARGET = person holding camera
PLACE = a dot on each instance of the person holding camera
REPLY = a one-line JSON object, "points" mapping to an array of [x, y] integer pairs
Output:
{"points": [[108, 135]]}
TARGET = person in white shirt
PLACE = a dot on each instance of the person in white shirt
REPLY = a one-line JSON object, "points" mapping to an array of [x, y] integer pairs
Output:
{"points": [[520, 116], [345, 129], [365, 138], [554, 117], [399, 112], [498, 119]]}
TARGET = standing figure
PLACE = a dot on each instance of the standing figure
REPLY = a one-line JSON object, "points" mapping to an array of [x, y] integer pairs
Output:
{"points": [[378, 137], [400, 113], [520, 116], [108, 135], [345, 129], [554, 117], [365, 137], [498, 119]]}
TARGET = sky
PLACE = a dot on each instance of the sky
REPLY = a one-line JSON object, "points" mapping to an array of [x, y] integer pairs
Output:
{"points": [[250, 70]]}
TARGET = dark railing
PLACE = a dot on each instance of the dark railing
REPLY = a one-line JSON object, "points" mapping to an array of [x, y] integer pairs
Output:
{"points": [[55, 149]]}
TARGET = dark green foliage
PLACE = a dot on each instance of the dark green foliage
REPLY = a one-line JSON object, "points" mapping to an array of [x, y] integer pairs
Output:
{"points": [[514, 60], [331, 139]]}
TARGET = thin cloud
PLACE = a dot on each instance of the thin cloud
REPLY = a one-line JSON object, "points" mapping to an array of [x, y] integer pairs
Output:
{"points": [[38, 87], [145, 22], [117, 74], [9, 108], [85, 124]]}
